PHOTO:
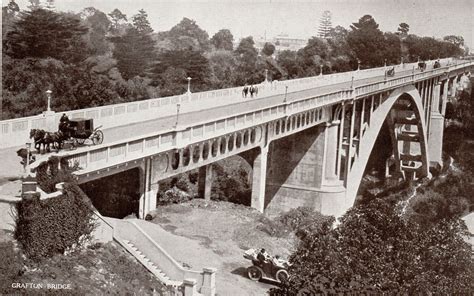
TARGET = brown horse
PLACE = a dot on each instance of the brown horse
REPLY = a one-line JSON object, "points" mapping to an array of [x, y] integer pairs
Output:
{"points": [[38, 136]]}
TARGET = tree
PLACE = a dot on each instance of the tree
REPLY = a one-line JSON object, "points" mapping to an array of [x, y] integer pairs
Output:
{"points": [[287, 60], [134, 53], [223, 40], [367, 41], [314, 54], [268, 49], [189, 28], [222, 64], [140, 22], [192, 62], [98, 24], [456, 40], [376, 250], [118, 18], [403, 29], [325, 25], [392, 48], [246, 55], [43, 33]]}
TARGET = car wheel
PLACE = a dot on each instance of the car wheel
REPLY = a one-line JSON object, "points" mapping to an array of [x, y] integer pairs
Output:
{"points": [[282, 275], [254, 273]]}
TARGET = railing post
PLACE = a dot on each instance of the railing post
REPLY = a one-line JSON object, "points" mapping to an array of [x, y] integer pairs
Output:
{"points": [[189, 287], [209, 286]]}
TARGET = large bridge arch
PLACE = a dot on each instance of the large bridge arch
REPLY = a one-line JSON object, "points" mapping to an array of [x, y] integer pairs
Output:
{"points": [[370, 136]]}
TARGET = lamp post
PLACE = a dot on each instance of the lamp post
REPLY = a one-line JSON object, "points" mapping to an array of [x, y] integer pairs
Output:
{"points": [[385, 63], [48, 95], [320, 70], [189, 84], [358, 64]]}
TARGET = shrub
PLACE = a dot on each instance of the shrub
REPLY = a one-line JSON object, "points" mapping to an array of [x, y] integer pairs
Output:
{"points": [[173, 195], [54, 171], [47, 227], [11, 267]]}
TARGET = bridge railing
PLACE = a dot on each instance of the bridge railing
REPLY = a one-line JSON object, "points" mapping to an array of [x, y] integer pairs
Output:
{"points": [[15, 132], [93, 157]]}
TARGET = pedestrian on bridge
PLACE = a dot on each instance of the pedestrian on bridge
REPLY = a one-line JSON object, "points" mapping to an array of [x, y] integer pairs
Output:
{"points": [[253, 90], [245, 91]]}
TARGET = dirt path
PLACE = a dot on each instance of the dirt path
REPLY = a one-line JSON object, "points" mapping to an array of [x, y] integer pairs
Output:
{"points": [[215, 234]]}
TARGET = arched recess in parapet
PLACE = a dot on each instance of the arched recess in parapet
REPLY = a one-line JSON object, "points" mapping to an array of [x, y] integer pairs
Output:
{"points": [[370, 136]]}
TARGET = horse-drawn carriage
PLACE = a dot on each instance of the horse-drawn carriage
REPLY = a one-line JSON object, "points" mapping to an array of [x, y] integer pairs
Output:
{"points": [[74, 132], [82, 130]]}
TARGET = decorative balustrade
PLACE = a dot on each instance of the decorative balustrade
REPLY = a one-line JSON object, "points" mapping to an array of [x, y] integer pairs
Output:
{"points": [[15, 132], [109, 154]]}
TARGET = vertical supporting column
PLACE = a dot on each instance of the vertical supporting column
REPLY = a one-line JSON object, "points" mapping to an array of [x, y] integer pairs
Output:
{"points": [[259, 178], [341, 138], [454, 86], [142, 184], [148, 189], [330, 172], [361, 125], [429, 102], [444, 99], [205, 182], [371, 108], [349, 148], [435, 98], [435, 131]]}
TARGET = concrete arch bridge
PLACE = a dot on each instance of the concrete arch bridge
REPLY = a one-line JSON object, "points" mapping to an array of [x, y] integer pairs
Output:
{"points": [[308, 140]]}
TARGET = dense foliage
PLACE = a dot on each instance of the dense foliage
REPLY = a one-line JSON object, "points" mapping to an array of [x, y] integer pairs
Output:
{"points": [[375, 249], [51, 226], [92, 58]]}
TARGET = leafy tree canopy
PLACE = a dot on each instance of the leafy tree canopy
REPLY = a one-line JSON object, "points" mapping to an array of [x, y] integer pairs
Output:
{"points": [[367, 41], [140, 22], [223, 40], [268, 49], [403, 29], [374, 249], [134, 53], [43, 33], [189, 28]]}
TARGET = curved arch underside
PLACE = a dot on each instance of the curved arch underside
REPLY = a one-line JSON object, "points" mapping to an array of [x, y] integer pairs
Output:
{"points": [[403, 111]]}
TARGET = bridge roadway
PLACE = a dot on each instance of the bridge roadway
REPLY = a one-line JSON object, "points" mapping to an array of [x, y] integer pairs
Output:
{"points": [[198, 112]]}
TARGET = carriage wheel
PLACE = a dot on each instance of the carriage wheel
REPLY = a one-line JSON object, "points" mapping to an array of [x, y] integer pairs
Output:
{"points": [[254, 273], [282, 275], [98, 137], [81, 141]]}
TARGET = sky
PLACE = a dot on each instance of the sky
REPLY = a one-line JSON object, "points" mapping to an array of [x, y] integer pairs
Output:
{"points": [[299, 19]]}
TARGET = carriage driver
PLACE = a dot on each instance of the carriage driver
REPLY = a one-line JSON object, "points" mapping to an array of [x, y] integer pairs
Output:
{"points": [[64, 125]]}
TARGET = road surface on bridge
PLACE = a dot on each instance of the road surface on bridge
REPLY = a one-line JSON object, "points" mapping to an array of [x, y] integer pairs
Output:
{"points": [[199, 112], [193, 113]]}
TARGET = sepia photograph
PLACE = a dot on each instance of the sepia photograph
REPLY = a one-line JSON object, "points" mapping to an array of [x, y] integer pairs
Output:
{"points": [[237, 147]]}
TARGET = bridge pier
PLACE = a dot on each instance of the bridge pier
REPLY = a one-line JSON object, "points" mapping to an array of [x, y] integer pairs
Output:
{"points": [[435, 137], [205, 182], [149, 188], [259, 179]]}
